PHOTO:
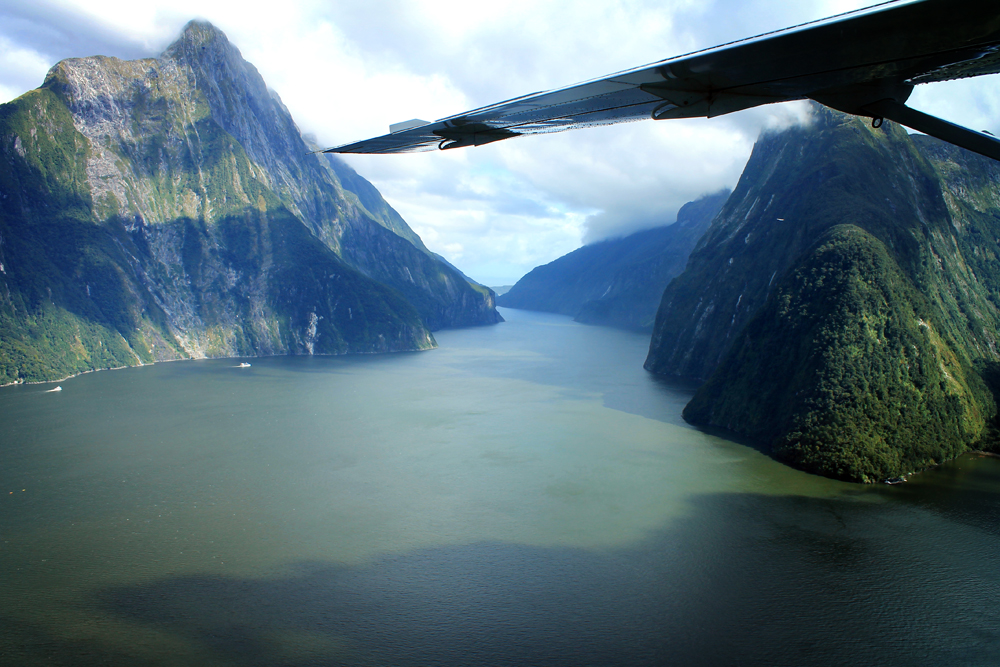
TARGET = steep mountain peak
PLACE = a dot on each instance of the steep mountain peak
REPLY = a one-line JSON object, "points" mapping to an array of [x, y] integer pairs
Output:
{"points": [[200, 31], [240, 100], [221, 72], [199, 38]]}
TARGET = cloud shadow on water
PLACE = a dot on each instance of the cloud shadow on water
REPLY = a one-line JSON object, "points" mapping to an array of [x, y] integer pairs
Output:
{"points": [[743, 579]]}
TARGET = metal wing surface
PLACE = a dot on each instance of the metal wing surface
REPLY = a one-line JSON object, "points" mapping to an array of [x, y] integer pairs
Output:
{"points": [[861, 62]]}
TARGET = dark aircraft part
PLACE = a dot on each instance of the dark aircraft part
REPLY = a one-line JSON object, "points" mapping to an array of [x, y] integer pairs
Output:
{"points": [[701, 102], [461, 135], [854, 98], [978, 142], [848, 62], [877, 122]]}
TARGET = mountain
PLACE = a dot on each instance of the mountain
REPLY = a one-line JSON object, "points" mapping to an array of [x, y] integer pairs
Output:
{"points": [[167, 208], [617, 282], [843, 308], [336, 204]]}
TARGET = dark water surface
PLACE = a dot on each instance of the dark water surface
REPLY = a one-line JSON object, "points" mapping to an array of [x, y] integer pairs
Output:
{"points": [[524, 495]]}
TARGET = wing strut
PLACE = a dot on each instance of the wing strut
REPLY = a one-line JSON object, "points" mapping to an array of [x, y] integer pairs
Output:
{"points": [[978, 142]]}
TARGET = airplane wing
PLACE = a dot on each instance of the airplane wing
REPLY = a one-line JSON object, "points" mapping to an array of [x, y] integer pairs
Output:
{"points": [[864, 62]]}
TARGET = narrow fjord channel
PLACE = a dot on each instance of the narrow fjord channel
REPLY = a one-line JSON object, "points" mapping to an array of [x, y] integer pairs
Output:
{"points": [[524, 495]]}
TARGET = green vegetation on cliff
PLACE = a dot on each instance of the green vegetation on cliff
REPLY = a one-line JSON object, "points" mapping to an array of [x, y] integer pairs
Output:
{"points": [[67, 303], [843, 373], [140, 230], [844, 302], [340, 207]]}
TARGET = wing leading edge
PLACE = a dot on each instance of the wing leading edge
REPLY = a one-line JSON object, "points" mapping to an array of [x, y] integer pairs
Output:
{"points": [[864, 63]]}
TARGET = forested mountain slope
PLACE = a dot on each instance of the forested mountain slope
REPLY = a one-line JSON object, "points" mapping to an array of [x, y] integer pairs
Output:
{"points": [[843, 307]]}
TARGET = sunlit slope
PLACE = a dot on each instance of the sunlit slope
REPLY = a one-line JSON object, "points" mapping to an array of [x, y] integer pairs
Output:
{"points": [[135, 228], [843, 306], [340, 207]]}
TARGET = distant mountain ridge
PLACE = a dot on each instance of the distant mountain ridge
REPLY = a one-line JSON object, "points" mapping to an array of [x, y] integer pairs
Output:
{"points": [[167, 208], [617, 282], [844, 307]]}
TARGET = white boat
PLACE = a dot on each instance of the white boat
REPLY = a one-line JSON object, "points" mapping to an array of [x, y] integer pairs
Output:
{"points": [[244, 364]]}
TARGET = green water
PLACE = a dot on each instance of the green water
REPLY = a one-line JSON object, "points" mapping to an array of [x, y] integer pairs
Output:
{"points": [[526, 494]]}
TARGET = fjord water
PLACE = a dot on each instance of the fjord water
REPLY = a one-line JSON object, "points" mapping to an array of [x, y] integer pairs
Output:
{"points": [[524, 495]]}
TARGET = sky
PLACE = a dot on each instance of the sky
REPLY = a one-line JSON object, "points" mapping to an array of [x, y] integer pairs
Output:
{"points": [[346, 69]]}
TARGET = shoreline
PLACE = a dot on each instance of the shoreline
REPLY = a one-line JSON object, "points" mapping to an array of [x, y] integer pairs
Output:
{"points": [[167, 361], [92, 370]]}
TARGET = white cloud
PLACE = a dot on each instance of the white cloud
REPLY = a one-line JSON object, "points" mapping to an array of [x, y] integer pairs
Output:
{"points": [[24, 66], [347, 69], [974, 103]]}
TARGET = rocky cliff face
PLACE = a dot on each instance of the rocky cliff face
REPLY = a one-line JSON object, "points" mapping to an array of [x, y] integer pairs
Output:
{"points": [[339, 206], [843, 307], [617, 282], [166, 208]]}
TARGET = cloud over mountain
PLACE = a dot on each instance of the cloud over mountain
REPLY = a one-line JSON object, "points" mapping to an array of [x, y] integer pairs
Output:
{"points": [[347, 70]]}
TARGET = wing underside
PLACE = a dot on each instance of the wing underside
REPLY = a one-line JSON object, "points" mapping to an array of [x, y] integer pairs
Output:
{"points": [[848, 62]]}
